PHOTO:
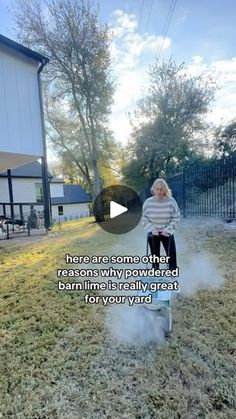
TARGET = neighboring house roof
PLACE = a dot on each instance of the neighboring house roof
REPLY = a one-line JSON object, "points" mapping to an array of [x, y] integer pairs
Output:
{"points": [[57, 180], [73, 194], [30, 170], [9, 43]]}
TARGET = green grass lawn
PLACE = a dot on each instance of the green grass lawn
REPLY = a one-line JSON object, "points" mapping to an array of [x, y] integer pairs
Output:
{"points": [[54, 362]]}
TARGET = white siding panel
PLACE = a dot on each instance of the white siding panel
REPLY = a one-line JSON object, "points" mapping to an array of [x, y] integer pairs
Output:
{"points": [[56, 190], [71, 210], [20, 120], [4, 121], [4, 194], [24, 189]]}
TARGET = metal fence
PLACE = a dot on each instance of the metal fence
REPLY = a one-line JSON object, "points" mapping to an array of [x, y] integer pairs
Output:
{"points": [[26, 219], [207, 189], [64, 218], [20, 219]]}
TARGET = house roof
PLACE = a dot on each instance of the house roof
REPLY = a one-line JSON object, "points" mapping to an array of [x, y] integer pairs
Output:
{"points": [[30, 170], [73, 194], [57, 180], [9, 43]]}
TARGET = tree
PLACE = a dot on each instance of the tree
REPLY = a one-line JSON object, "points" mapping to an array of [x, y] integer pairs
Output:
{"points": [[169, 122], [225, 140], [77, 79], [132, 175], [64, 169], [74, 162], [113, 165]]}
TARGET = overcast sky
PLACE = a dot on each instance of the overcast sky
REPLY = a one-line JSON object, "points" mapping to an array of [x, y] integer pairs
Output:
{"points": [[201, 33]]}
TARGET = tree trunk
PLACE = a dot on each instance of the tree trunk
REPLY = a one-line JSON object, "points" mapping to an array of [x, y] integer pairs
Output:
{"points": [[99, 216]]}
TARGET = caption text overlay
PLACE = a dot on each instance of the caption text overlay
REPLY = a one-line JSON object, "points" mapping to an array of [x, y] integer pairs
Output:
{"points": [[147, 286]]}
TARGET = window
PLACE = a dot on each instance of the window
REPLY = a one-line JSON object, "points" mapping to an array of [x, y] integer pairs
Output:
{"points": [[60, 210], [39, 192]]}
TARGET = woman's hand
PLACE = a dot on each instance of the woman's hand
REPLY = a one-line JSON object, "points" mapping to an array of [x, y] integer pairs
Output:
{"points": [[156, 232], [164, 233]]}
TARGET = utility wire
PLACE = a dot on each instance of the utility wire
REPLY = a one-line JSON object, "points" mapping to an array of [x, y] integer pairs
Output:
{"points": [[141, 13], [149, 15], [165, 28]]}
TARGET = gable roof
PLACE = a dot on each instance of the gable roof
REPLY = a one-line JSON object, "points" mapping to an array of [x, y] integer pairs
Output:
{"points": [[10, 44], [73, 194], [30, 170]]}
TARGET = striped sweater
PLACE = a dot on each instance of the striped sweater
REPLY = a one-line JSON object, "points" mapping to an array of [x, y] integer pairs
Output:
{"points": [[160, 214]]}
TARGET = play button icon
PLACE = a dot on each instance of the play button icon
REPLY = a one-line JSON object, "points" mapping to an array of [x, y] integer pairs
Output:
{"points": [[117, 209]]}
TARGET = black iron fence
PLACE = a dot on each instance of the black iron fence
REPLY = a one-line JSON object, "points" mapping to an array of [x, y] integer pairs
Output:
{"points": [[207, 189], [19, 219]]}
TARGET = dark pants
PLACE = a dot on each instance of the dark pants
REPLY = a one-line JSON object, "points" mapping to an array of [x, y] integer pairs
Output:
{"points": [[169, 246]]}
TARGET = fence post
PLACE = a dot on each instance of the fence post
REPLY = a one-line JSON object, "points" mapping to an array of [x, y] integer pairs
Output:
{"points": [[233, 171], [184, 194], [8, 231]]}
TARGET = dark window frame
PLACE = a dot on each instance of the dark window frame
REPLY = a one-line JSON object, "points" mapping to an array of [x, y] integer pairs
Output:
{"points": [[60, 209], [39, 192]]}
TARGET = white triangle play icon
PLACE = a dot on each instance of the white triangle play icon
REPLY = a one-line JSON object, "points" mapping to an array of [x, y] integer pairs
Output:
{"points": [[116, 209]]}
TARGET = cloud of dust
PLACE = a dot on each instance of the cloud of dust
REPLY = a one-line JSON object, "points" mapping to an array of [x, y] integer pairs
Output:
{"points": [[201, 271], [135, 324]]}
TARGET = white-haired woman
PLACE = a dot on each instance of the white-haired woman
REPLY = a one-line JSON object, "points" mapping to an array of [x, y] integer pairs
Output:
{"points": [[160, 216]]}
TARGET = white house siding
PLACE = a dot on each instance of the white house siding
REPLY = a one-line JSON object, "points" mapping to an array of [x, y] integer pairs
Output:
{"points": [[71, 210], [56, 190], [4, 193], [20, 120], [23, 189]]}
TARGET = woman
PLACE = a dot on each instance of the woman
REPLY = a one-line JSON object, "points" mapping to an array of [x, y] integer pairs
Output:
{"points": [[160, 216]]}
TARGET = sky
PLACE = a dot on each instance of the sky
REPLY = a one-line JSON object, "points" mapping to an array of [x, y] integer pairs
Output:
{"points": [[201, 33]]}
